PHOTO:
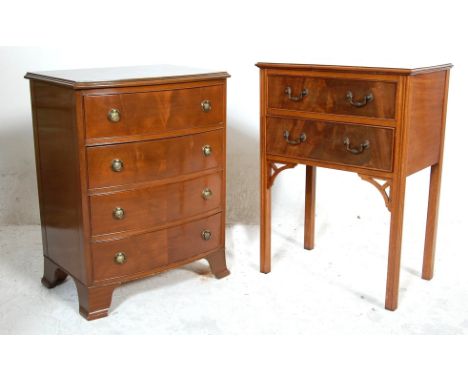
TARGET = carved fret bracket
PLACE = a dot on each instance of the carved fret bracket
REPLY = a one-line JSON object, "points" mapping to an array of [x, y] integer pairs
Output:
{"points": [[275, 170], [382, 186]]}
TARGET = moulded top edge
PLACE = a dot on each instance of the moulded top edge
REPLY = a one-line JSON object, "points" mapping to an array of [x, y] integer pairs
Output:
{"points": [[355, 69], [125, 76]]}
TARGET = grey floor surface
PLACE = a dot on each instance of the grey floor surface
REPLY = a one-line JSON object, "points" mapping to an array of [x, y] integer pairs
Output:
{"points": [[336, 288]]}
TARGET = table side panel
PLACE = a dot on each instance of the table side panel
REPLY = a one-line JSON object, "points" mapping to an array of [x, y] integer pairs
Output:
{"points": [[425, 120]]}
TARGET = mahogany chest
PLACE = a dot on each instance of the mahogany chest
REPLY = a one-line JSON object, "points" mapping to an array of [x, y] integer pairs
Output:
{"points": [[131, 174]]}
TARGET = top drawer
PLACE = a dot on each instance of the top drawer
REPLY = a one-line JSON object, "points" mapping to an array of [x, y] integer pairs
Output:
{"points": [[364, 98], [153, 112]]}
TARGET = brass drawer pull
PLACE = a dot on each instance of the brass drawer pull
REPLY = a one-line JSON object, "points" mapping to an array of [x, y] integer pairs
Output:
{"points": [[120, 258], [117, 165], [207, 193], [206, 105], [301, 139], [207, 150], [206, 234], [368, 98], [302, 94], [113, 115], [356, 151], [118, 213]]}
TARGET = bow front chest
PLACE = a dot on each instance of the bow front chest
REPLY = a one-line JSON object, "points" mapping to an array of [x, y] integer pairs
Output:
{"points": [[131, 174]]}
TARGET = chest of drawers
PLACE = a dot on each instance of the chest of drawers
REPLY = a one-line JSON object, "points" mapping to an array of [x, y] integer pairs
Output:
{"points": [[383, 124], [131, 174]]}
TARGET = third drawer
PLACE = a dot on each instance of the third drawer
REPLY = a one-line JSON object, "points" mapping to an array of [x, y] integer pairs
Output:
{"points": [[149, 207]]}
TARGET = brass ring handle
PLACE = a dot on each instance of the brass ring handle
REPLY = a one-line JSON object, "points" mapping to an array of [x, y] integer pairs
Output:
{"points": [[302, 94], [356, 151], [206, 105], [368, 98], [207, 150], [117, 165], [113, 115], [118, 213], [298, 141], [120, 258], [206, 234], [207, 193]]}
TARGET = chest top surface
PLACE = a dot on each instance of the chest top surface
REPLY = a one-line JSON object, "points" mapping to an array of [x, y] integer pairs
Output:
{"points": [[125, 76]]}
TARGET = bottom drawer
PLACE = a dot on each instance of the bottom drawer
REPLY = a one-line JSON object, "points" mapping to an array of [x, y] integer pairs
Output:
{"points": [[338, 143], [147, 252]]}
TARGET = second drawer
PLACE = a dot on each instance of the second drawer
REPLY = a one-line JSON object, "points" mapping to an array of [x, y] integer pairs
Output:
{"points": [[341, 144], [128, 163], [152, 206]]}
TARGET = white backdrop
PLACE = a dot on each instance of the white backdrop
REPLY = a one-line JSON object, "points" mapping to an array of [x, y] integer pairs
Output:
{"points": [[233, 36]]}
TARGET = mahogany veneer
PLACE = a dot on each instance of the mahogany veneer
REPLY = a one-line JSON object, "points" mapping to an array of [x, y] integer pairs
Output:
{"points": [[147, 111], [131, 174], [154, 160], [324, 142], [382, 123], [325, 95]]}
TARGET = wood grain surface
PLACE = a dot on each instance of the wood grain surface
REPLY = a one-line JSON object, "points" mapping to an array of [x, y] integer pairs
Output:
{"points": [[328, 95], [325, 142]]}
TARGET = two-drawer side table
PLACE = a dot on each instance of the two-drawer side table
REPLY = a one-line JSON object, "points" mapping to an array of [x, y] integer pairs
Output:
{"points": [[383, 124]]}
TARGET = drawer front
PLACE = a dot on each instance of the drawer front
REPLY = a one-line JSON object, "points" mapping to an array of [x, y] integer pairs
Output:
{"points": [[362, 98], [126, 163], [152, 206], [147, 252], [342, 144], [153, 112]]}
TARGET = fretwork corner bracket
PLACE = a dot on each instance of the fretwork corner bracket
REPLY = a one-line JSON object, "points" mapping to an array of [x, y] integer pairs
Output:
{"points": [[275, 169], [382, 186]]}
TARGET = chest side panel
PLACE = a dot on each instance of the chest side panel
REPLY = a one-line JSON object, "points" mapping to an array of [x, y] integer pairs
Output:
{"points": [[54, 110]]}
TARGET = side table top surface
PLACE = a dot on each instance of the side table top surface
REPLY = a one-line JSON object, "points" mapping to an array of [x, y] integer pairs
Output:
{"points": [[356, 69]]}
